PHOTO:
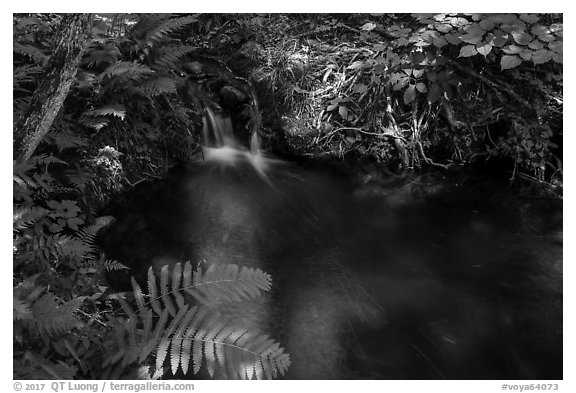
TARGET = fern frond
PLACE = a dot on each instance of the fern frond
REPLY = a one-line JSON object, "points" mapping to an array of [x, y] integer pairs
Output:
{"points": [[31, 52], [228, 283], [25, 216], [26, 73], [125, 70], [95, 123], [95, 55], [111, 110], [21, 309], [146, 24], [87, 236], [167, 27], [24, 181], [79, 178], [152, 87], [198, 334], [53, 318], [43, 159], [64, 139], [71, 247], [168, 55], [111, 265], [165, 290]]}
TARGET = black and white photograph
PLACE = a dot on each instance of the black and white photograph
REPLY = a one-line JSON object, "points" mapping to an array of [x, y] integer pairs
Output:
{"points": [[287, 196]]}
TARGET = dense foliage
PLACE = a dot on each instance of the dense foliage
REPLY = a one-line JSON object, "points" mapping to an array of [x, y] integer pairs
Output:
{"points": [[401, 90], [416, 90]]}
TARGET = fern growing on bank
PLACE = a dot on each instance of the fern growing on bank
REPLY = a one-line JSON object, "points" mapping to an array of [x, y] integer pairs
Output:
{"points": [[186, 336]]}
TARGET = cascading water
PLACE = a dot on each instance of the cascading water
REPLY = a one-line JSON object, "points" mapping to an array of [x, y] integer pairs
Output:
{"points": [[220, 145], [413, 279]]}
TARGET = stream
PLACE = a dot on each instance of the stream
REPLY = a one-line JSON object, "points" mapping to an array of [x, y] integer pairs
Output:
{"points": [[435, 275]]}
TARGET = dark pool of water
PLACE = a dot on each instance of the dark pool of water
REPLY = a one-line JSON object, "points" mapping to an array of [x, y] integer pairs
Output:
{"points": [[380, 277]]}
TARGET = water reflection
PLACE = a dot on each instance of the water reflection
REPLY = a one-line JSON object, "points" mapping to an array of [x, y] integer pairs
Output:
{"points": [[385, 281]]}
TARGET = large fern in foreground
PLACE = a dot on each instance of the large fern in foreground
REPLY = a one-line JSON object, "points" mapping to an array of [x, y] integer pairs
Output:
{"points": [[177, 319]]}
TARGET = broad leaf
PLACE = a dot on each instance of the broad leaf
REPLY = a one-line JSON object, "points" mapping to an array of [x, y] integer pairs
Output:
{"points": [[512, 49], [500, 41], [409, 94], [529, 18], [486, 24], [541, 56], [557, 57], [522, 38], [536, 45], [507, 62], [439, 42], [546, 37], [453, 38], [484, 49], [443, 28], [555, 46], [539, 29], [468, 50], [471, 38], [526, 54]]}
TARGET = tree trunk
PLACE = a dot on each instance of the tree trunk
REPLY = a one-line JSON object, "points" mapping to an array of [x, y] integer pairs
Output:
{"points": [[54, 85]]}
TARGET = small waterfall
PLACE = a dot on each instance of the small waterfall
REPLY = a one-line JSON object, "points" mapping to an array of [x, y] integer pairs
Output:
{"points": [[220, 145], [255, 140], [217, 128]]}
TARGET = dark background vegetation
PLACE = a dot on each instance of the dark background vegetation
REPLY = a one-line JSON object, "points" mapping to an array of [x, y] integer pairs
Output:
{"points": [[104, 102]]}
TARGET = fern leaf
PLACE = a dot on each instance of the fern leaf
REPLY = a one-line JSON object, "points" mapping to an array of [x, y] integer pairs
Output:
{"points": [[126, 71], [25, 216], [153, 292], [147, 318], [197, 351], [160, 326], [31, 52], [168, 55], [95, 123], [179, 340], [21, 309], [162, 352], [155, 86], [78, 178], [88, 234], [53, 318], [139, 297], [126, 307], [167, 27], [176, 279], [226, 283], [65, 139], [43, 159], [96, 56], [71, 247], [185, 354], [165, 290], [111, 110], [25, 74], [132, 336], [199, 334], [111, 265]]}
